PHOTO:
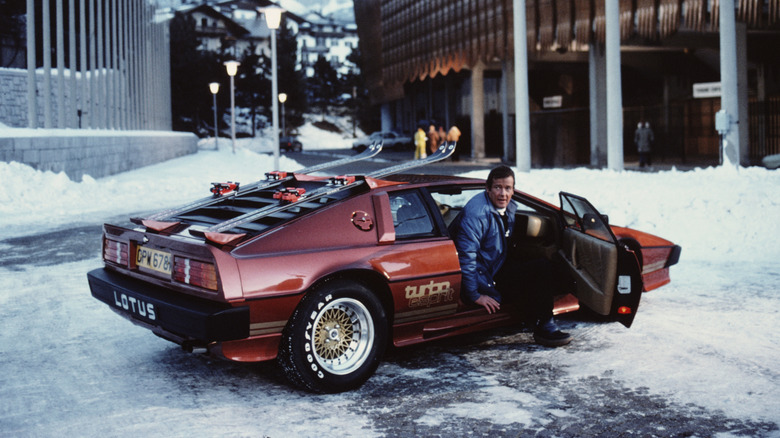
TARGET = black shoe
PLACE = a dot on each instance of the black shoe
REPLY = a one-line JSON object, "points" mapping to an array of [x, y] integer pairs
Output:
{"points": [[548, 334]]}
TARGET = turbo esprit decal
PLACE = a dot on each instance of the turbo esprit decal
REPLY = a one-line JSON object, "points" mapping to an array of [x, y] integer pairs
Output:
{"points": [[426, 295]]}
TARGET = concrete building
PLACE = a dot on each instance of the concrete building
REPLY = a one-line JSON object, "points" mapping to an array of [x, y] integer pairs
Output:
{"points": [[583, 74], [94, 96]]}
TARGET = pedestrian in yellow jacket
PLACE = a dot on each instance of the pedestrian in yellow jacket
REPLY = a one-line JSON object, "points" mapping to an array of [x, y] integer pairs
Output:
{"points": [[419, 144]]}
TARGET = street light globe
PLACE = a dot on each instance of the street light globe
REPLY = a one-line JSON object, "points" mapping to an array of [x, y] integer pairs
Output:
{"points": [[214, 87], [282, 97], [273, 16], [232, 67]]}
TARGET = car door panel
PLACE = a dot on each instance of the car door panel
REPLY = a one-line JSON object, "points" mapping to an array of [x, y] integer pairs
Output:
{"points": [[593, 264], [425, 277], [607, 275]]}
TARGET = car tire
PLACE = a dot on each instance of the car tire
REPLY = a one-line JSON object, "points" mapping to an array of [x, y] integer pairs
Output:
{"points": [[297, 147], [335, 338]]}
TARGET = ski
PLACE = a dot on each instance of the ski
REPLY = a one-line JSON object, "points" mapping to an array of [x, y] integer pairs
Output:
{"points": [[445, 150], [336, 184], [225, 190]]}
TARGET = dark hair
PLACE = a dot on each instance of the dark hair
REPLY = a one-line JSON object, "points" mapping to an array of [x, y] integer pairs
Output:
{"points": [[498, 173]]}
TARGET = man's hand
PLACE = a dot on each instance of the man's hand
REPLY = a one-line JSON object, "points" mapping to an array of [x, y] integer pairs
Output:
{"points": [[488, 303]]}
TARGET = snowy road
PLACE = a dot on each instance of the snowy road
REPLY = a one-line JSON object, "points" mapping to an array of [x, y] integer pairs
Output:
{"points": [[72, 367], [700, 360]]}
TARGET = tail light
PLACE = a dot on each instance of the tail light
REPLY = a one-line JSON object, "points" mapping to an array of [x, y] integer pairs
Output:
{"points": [[624, 310], [195, 273], [116, 252]]}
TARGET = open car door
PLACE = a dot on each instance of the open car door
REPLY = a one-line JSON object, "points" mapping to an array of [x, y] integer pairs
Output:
{"points": [[607, 274]]}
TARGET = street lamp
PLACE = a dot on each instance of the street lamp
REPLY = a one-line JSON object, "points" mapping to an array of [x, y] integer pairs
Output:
{"points": [[273, 18], [214, 88], [283, 99], [232, 69], [354, 110]]}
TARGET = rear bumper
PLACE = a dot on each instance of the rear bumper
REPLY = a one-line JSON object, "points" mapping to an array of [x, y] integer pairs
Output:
{"points": [[174, 316]]}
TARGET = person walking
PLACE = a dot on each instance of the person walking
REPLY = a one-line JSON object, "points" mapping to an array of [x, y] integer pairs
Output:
{"points": [[643, 138], [433, 139], [453, 135], [419, 144]]}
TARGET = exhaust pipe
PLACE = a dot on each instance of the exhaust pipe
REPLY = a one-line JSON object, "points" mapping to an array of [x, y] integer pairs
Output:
{"points": [[191, 347]]}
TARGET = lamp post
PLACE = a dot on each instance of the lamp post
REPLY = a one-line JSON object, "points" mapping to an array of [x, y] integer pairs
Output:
{"points": [[283, 99], [273, 17], [214, 88], [232, 69], [354, 110]]}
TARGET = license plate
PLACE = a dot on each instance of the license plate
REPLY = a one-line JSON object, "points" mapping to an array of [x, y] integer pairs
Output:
{"points": [[153, 259]]}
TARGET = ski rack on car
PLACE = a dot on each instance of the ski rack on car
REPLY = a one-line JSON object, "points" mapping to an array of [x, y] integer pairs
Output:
{"points": [[272, 179], [336, 184]]}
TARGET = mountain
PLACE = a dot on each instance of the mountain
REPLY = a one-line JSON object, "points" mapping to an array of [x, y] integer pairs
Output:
{"points": [[341, 10]]}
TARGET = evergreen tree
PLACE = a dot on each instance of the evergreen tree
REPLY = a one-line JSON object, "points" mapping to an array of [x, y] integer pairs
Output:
{"points": [[291, 81], [191, 72], [368, 117], [253, 88], [12, 31], [324, 85]]}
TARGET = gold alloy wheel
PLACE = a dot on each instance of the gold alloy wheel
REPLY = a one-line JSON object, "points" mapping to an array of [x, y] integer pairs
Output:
{"points": [[343, 335]]}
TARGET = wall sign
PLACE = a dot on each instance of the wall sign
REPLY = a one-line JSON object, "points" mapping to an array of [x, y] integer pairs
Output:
{"points": [[706, 89]]}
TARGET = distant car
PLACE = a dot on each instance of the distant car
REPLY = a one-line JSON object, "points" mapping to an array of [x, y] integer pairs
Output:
{"points": [[389, 140], [290, 143], [323, 274], [771, 161]]}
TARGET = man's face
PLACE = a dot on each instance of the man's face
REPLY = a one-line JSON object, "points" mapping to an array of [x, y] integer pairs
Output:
{"points": [[500, 192]]}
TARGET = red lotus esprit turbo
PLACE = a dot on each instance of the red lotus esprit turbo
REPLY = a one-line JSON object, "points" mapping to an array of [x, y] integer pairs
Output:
{"points": [[321, 273]]}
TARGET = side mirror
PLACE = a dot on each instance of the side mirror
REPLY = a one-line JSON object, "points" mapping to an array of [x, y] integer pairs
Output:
{"points": [[590, 222]]}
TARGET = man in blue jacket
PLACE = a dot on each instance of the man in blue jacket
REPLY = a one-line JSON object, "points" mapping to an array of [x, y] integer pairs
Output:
{"points": [[481, 233]]}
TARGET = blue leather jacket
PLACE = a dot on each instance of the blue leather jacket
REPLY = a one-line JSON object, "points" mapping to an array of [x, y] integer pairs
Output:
{"points": [[481, 241]]}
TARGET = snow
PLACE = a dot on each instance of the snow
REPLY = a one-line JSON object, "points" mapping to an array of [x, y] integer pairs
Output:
{"points": [[709, 338], [57, 200], [330, 8]]}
